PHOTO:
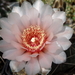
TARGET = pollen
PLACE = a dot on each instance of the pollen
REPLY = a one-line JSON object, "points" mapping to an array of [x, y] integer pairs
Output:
{"points": [[33, 38]]}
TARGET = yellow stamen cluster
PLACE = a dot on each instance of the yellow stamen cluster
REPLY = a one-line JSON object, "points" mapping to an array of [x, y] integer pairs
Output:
{"points": [[33, 38]]}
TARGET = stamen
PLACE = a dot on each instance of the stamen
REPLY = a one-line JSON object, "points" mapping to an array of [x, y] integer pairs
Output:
{"points": [[33, 38]]}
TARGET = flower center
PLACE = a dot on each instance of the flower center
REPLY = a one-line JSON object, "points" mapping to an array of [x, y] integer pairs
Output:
{"points": [[33, 38]]}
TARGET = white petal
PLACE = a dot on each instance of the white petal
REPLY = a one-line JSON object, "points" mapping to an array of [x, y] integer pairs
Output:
{"points": [[16, 45], [7, 35], [24, 57], [60, 15], [17, 10], [25, 7], [25, 21], [12, 54], [39, 23], [65, 43], [13, 17], [38, 5], [20, 25], [34, 54], [4, 46], [61, 58], [50, 35], [47, 10], [68, 32], [53, 47], [55, 9], [18, 38], [33, 16], [56, 26], [46, 22], [45, 60], [4, 23], [32, 67], [16, 66], [15, 30]]}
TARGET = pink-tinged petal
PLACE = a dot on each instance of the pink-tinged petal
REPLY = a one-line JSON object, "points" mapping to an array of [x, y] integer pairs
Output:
{"points": [[16, 66], [65, 43], [24, 57], [20, 25], [47, 10], [4, 46], [38, 4], [25, 7], [33, 16], [53, 47], [67, 33], [4, 23], [13, 17], [18, 38], [12, 54], [7, 35], [17, 10], [16, 45], [46, 22], [32, 67], [39, 23], [56, 26], [34, 54], [58, 59], [60, 15], [25, 21], [50, 36], [45, 60], [15, 30]]}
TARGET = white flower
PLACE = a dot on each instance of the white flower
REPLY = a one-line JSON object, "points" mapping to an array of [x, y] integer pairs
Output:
{"points": [[34, 37]]}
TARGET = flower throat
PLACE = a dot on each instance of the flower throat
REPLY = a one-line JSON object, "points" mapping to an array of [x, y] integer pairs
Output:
{"points": [[33, 38]]}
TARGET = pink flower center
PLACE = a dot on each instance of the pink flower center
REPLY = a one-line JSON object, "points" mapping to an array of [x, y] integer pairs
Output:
{"points": [[33, 38]]}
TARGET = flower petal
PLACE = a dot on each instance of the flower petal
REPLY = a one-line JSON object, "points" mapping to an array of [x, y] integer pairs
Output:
{"points": [[65, 43], [7, 35], [11, 54], [16, 45], [16, 66], [4, 46], [34, 54], [47, 10], [4, 23], [56, 26], [50, 36], [25, 7], [25, 21], [46, 22], [60, 14], [15, 30], [13, 17], [53, 47], [24, 57], [45, 60], [17, 10], [38, 4], [68, 32], [33, 16], [55, 9], [32, 67], [18, 38], [58, 59]]}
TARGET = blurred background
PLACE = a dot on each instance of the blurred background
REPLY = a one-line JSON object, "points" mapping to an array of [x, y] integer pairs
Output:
{"points": [[67, 68]]}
